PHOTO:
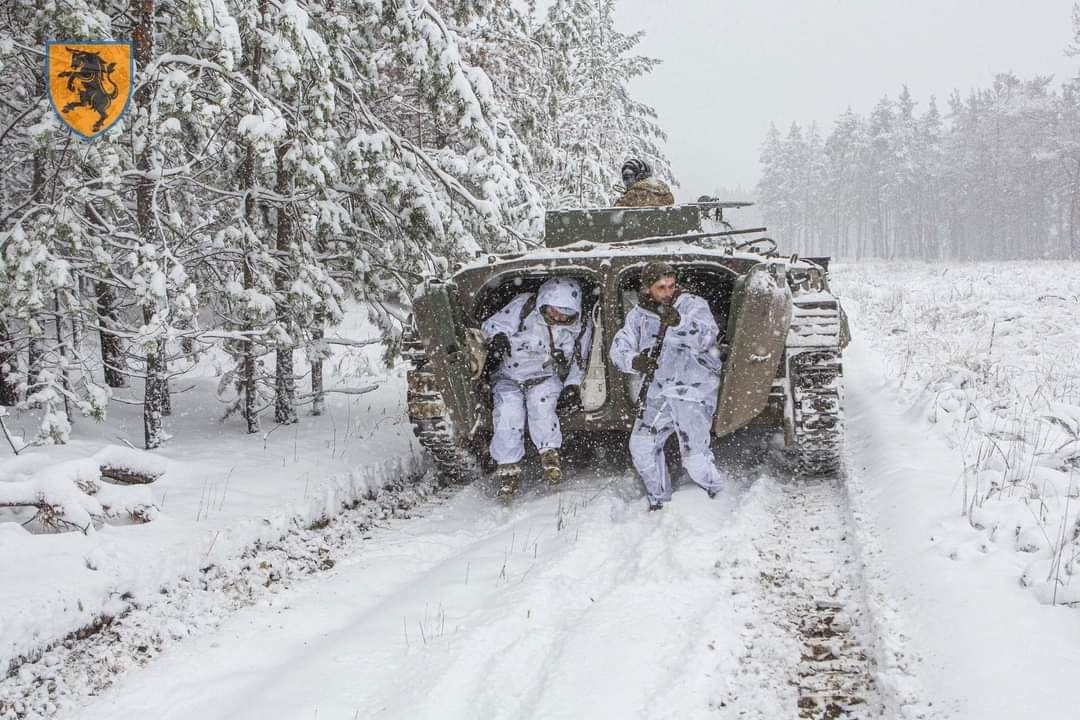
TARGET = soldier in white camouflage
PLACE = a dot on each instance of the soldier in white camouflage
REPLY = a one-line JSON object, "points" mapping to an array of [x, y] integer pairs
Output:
{"points": [[538, 345], [684, 381]]}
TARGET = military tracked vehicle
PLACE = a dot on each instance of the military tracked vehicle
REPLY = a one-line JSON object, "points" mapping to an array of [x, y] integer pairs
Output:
{"points": [[784, 330]]}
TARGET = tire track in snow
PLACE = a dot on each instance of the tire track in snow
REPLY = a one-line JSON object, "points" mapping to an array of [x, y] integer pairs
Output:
{"points": [[807, 642], [573, 604], [606, 581]]}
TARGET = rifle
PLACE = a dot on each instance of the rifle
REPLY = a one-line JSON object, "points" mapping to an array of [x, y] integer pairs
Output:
{"points": [[646, 380], [483, 381]]}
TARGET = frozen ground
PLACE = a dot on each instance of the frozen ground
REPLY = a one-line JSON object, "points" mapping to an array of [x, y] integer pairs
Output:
{"points": [[986, 353], [885, 591], [963, 390], [222, 492], [575, 604]]}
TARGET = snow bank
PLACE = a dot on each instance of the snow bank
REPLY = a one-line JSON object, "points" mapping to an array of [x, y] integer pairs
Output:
{"points": [[132, 461], [986, 352], [71, 495]]}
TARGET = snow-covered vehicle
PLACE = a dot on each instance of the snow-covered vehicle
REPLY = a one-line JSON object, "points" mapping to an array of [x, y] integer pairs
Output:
{"points": [[784, 330]]}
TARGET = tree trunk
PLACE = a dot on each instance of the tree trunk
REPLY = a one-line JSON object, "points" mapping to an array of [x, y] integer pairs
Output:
{"points": [[248, 366], [284, 381], [284, 387], [61, 347], [8, 393], [35, 349], [112, 353], [250, 388], [1074, 216], [166, 395], [153, 432], [318, 402], [35, 355]]}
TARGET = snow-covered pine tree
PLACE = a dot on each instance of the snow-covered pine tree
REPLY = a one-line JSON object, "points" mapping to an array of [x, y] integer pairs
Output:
{"points": [[596, 122], [432, 168], [41, 234], [8, 364], [1068, 150], [1073, 48], [150, 269], [277, 156]]}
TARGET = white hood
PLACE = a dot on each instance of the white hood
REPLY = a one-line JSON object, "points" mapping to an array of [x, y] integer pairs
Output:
{"points": [[563, 294]]}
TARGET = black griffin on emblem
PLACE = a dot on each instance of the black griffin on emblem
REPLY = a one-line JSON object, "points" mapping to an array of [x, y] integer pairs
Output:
{"points": [[91, 73]]}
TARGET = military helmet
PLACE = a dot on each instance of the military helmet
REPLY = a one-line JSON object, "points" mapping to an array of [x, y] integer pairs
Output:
{"points": [[636, 167], [655, 270]]}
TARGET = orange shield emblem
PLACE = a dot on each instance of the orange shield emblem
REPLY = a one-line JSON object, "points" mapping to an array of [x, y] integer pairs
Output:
{"points": [[90, 83]]}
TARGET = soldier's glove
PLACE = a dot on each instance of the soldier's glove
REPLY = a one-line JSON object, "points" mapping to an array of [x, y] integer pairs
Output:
{"points": [[644, 364], [569, 401], [485, 394], [669, 316], [498, 347]]}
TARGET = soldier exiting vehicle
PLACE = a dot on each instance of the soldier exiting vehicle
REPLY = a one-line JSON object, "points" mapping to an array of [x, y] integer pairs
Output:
{"points": [[669, 339], [642, 189], [538, 348]]}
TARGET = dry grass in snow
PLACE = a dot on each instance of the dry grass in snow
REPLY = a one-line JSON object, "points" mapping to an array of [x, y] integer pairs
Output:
{"points": [[990, 353]]}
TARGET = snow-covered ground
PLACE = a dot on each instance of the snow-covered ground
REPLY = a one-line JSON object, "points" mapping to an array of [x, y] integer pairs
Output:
{"points": [[893, 589], [987, 353], [220, 493], [569, 604], [962, 408]]}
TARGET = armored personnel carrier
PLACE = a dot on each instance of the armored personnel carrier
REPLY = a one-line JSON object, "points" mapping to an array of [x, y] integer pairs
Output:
{"points": [[784, 330]]}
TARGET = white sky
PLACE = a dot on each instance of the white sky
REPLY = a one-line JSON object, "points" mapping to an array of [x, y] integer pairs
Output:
{"points": [[732, 66]]}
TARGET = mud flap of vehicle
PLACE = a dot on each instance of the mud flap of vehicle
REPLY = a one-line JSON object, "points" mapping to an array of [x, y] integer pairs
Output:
{"points": [[448, 352], [757, 329]]}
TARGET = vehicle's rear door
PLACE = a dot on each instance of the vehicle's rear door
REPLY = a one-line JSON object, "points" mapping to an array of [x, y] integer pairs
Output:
{"points": [[756, 332], [439, 325]]}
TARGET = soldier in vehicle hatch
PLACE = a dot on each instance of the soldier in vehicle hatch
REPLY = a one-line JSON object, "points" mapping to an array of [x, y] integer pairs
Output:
{"points": [[538, 349], [669, 338], [642, 189]]}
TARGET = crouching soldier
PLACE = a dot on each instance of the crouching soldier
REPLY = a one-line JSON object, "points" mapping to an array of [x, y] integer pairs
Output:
{"points": [[684, 380], [538, 348]]}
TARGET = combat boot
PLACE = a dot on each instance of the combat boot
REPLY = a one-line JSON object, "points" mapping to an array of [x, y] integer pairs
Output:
{"points": [[549, 461], [509, 477]]}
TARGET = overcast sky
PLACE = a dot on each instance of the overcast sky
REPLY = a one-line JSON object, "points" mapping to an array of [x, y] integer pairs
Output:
{"points": [[732, 66]]}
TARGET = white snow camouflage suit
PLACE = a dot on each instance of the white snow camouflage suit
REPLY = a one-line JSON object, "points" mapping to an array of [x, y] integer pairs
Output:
{"points": [[682, 397], [526, 383]]}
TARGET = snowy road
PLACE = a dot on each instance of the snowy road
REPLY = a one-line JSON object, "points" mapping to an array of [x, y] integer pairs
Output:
{"points": [[575, 604], [775, 600]]}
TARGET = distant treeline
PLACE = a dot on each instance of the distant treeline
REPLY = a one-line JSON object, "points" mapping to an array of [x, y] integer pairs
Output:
{"points": [[997, 177]]}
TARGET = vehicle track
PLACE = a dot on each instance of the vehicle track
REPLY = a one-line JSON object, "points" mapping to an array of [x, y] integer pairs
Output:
{"points": [[806, 631], [835, 672]]}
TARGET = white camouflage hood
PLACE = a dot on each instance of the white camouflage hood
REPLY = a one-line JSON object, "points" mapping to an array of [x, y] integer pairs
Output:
{"points": [[563, 294]]}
